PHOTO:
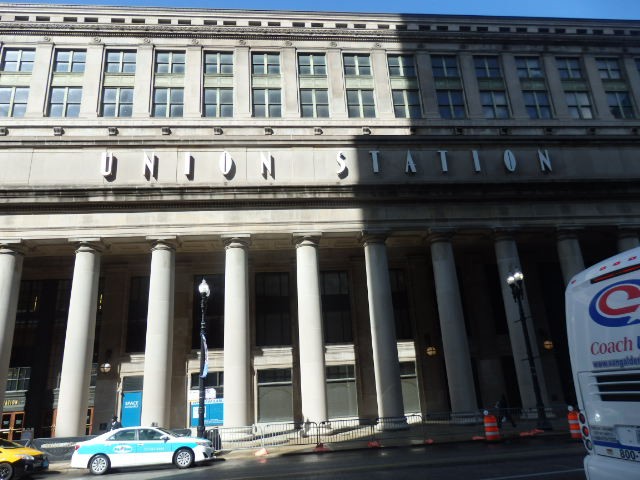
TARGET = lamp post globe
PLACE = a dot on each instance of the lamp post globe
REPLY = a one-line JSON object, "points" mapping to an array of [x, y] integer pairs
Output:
{"points": [[204, 290]]}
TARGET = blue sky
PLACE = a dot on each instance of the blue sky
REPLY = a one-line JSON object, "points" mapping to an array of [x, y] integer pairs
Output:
{"points": [[618, 9]]}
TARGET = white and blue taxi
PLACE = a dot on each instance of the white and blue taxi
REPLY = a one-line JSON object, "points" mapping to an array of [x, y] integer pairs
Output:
{"points": [[136, 446]]}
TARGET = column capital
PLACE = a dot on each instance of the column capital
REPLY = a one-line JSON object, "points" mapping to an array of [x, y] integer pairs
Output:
{"points": [[163, 242], [368, 237], [87, 244], [564, 232], [13, 246], [504, 233], [238, 240], [440, 235], [308, 239]]}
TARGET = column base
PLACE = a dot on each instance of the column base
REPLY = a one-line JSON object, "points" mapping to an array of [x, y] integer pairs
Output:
{"points": [[392, 423]]}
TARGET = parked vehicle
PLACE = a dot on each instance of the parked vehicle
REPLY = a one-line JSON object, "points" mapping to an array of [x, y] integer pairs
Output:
{"points": [[12, 466], [37, 460], [136, 446]]}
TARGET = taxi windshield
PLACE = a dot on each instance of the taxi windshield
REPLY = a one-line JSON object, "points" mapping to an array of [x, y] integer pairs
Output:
{"points": [[8, 444]]}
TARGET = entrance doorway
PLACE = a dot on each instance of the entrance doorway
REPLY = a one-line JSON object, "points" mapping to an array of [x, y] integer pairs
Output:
{"points": [[12, 425]]}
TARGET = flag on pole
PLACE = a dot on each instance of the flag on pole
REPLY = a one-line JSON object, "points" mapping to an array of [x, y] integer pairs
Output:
{"points": [[205, 368]]}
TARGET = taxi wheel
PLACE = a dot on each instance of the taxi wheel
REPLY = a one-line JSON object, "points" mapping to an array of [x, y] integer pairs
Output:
{"points": [[6, 471], [99, 465], [183, 458]]}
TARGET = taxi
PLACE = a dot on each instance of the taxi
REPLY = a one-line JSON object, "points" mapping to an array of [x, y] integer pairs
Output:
{"points": [[20, 459], [136, 446]]}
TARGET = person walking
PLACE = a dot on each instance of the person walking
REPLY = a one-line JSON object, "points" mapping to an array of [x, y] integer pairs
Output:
{"points": [[503, 413]]}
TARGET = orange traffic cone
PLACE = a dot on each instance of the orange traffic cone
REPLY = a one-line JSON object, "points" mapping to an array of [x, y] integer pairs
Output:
{"points": [[574, 424], [491, 430]]}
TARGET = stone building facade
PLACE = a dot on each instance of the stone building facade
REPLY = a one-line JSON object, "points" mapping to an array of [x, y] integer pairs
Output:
{"points": [[355, 188]]}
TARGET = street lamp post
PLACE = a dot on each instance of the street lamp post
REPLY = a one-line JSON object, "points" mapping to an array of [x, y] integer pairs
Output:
{"points": [[204, 290], [516, 282]]}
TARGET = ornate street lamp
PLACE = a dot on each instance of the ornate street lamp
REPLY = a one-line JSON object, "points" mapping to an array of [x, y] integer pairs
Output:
{"points": [[204, 290], [516, 282]]}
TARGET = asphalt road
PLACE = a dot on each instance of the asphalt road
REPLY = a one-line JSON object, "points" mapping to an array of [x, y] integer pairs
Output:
{"points": [[539, 459]]}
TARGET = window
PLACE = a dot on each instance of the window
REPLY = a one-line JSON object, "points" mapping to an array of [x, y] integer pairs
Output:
{"points": [[444, 66], [267, 102], [218, 63], [18, 379], [579, 104], [314, 102], [273, 309], [69, 61], [487, 67], [528, 67], [406, 103], [494, 104], [360, 104], [265, 64], [168, 102], [410, 390], [275, 395], [121, 61], [609, 68], [18, 60], [65, 101], [218, 102], [312, 64], [336, 307], [537, 104], [13, 101], [401, 66], [569, 67], [341, 391], [117, 102], [170, 62], [213, 379], [620, 104], [451, 104], [357, 65]]}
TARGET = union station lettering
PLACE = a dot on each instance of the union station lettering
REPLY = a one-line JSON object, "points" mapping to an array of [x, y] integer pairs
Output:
{"points": [[410, 162]]}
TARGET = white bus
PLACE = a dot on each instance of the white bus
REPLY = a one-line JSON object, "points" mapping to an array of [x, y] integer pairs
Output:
{"points": [[603, 326]]}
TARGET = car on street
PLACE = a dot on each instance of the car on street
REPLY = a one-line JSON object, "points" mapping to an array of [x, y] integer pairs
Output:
{"points": [[137, 446], [35, 459], [12, 466]]}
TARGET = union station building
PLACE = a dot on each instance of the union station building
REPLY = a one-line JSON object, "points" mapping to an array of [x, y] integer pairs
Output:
{"points": [[354, 188]]}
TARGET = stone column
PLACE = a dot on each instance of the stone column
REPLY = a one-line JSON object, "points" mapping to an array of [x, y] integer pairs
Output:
{"points": [[143, 83], [290, 104], [569, 254], [91, 81], [630, 69], [627, 239], [193, 82], [10, 274], [383, 332], [237, 332], [597, 89], [454, 336], [513, 88], [508, 260], [555, 87], [42, 65], [427, 86], [313, 384], [379, 67], [156, 394], [75, 377], [242, 83], [337, 95], [470, 85]]}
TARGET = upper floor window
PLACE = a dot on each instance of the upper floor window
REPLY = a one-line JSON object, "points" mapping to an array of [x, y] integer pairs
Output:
{"points": [[487, 67], [312, 64], [528, 67], [168, 102], [360, 103], [121, 61], [569, 67], [265, 64], [579, 104], [170, 62], [451, 103], [620, 104], [218, 63], [609, 68], [357, 65], [494, 104], [13, 101], [314, 102], [406, 103], [18, 379], [70, 61], [117, 102], [267, 102], [18, 60], [537, 104], [65, 101], [218, 102], [401, 66], [444, 66]]}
